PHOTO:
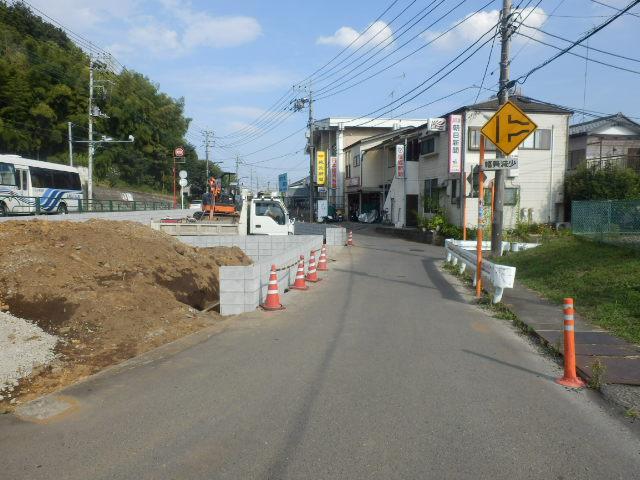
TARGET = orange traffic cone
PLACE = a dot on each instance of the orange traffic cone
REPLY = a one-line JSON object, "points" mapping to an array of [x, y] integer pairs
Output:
{"points": [[312, 275], [570, 379], [350, 239], [300, 284], [323, 265], [272, 301]]}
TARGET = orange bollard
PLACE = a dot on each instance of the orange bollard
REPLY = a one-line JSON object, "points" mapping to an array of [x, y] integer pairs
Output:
{"points": [[272, 301], [300, 284], [323, 265], [312, 274], [570, 379], [350, 239]]}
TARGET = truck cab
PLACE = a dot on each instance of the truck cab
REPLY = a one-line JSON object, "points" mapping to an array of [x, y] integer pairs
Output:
{"points": [[268, 216]]}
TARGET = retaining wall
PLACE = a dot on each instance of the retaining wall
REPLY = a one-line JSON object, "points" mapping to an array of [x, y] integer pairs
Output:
{"points": [[142, 216], [243, 288]]}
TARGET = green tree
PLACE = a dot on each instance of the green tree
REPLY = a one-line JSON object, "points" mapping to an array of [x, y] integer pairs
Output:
{"points": [[608, 183]]}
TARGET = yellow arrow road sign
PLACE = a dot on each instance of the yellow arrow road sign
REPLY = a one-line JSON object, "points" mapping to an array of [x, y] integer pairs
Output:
{"points": [[508, 128]]}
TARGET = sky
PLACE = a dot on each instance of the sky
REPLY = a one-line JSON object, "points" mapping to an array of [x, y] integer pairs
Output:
{"points": [[238, 64]]}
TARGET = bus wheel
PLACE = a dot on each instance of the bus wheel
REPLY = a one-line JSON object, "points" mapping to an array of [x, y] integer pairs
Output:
{"points": [[4, 212], [62, 209]]}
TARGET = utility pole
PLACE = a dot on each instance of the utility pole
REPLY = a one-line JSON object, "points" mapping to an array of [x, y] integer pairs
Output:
{"points": [[311, 155], [207, 145], [237, 178], [70, 135], [503, 97], [91, 146]]}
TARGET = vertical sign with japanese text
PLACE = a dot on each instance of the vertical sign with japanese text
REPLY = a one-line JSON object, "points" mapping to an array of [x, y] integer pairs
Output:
{"points": [[283, 183], [333, 165], [400, 161], [321, 168], [455, 143]]}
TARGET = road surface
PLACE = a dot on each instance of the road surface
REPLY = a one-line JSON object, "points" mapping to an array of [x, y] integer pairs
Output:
{"points": [[381, 371]]}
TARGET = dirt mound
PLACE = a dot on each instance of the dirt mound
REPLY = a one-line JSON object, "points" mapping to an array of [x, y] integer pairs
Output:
{"points": [[110, 289]]}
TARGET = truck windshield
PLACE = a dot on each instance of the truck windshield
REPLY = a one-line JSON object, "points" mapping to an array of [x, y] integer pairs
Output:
{"points": [[272, 210], [7, 174]]}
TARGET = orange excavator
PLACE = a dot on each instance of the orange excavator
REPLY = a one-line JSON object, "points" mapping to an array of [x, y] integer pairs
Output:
{"points": [[216, 202]]}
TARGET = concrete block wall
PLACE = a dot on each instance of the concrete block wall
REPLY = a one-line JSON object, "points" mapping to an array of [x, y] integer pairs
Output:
{"points": [[258, 247], [334, 235], [144, 216], [242, 289]]}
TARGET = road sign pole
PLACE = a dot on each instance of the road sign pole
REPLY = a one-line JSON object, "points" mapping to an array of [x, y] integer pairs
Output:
{"points": [[174, 182], [480, 219], [503, 97]]}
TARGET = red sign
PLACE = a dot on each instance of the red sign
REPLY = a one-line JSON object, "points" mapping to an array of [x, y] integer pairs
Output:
{"points": [[400, 161], [178, 152], [333, 163], [455, 143]]}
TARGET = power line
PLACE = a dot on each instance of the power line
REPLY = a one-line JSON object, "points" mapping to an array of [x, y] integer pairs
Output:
{"points": [[523, 78], [615, 8], [484, 75], [327, 94], [631, 59]]}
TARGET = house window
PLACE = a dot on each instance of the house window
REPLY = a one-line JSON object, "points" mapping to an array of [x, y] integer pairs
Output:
{"points": [[576, 157], [511, 196], [454, 191], [413, 150], [474, 140], [538, 140], [428, 146], [431, 196], [356, 160]]}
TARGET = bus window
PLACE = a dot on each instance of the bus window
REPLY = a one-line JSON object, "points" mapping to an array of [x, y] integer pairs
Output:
{"points": [[41, 177], [7, 174], [62, 180]]}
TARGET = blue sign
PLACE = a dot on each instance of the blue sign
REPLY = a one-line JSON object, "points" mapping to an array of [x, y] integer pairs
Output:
{"points": [[283, 183]]}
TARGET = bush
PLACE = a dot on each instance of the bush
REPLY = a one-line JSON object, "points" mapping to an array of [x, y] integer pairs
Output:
{"points": [[608, 183]]}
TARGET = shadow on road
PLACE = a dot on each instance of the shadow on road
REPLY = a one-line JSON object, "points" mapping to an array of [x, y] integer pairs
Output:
{"points": [[385, 279], [507, 364], [442, 284]]}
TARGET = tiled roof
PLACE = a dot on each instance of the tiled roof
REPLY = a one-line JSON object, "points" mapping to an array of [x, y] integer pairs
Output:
{"points": [[591, 125]]}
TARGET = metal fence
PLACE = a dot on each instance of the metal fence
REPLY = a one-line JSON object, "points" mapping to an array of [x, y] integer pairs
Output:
{"points": [[12, 205], [610, 221]]}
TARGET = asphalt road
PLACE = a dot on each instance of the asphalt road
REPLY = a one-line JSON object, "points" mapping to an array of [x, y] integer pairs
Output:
{"points": [[381, 371]]}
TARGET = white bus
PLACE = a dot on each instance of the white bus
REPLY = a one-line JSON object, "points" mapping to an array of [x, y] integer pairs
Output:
{"points": [[23, 181]]}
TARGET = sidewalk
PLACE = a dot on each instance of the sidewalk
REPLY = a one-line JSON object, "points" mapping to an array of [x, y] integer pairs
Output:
{"points": [[621, 359]]}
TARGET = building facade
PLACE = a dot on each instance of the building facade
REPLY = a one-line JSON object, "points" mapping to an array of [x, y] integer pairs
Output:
{"points": [[332, 135], [612, 140], [441, 174]]}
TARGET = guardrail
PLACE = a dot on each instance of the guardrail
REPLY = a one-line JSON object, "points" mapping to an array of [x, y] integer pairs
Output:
{"points": [[462, 253], [20, 205]]}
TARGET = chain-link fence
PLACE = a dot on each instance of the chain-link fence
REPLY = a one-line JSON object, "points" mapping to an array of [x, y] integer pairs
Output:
{"points": [[610, 221]]}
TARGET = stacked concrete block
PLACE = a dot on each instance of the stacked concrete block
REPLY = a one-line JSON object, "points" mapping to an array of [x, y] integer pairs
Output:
{"points": [[255, 278]]}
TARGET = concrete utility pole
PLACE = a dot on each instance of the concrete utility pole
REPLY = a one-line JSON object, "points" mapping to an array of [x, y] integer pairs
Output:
{"points": [[207, 145], [503, 97], [70, 135], [311, 155], [91, 146]]}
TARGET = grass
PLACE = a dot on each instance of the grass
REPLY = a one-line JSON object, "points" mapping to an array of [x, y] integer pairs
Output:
{"points": [[603, 280]]}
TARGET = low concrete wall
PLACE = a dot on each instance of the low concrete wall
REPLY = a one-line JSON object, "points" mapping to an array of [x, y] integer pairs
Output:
{"points": [[142, 216], [334, 235], [243, 288]]}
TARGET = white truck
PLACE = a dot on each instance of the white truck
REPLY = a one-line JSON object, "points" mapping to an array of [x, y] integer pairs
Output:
{"points": [[262, 215]]}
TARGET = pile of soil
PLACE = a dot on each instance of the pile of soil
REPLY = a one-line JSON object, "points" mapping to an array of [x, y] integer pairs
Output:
{"points": [[110, 290]]}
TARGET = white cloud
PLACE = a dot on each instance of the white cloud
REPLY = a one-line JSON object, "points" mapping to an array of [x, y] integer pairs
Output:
{"points": [[81, 16], [189, 29], [481, 22], [378, 34]]}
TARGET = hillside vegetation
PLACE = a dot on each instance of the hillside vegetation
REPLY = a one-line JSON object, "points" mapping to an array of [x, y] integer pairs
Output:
{"points": [[44, 83]]}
